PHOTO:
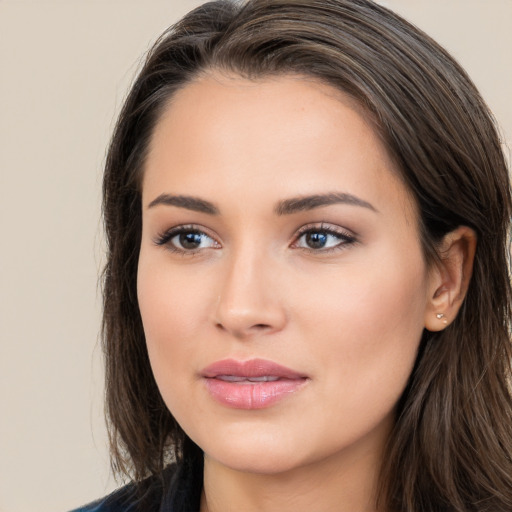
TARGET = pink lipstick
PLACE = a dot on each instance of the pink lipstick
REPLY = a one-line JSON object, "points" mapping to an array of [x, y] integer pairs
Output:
{"points": [[253, 384]]}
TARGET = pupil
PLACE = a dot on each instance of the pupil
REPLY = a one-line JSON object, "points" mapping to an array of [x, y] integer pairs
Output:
{"points": [[190, 240], [316, 240]]}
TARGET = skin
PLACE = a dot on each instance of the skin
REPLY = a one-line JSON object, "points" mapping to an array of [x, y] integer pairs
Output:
{"points": [[349, 316]]}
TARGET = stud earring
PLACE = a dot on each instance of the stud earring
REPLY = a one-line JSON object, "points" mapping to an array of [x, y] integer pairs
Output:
{"points": [[440, 316]]}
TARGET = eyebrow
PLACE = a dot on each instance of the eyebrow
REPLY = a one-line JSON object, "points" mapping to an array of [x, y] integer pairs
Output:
{"points": [[304, 203], [190, 203], [285, 207]]}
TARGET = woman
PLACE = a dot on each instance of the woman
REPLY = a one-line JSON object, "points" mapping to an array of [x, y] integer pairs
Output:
{"points": [[307, 303]]}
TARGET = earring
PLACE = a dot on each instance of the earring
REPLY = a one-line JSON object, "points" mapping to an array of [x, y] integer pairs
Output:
{"points": [[440, 316]]}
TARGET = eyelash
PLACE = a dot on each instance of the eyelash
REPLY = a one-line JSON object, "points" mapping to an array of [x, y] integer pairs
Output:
{"points": [[345, 238], [165, 238]]}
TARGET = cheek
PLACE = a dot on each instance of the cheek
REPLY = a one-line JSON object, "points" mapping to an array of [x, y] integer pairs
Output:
{"points": [[160, 305], [173, 310], [367, 330]]}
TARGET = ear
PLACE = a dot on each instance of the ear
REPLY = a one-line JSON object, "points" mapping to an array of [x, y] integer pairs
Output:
{"points": [[449, 277]]}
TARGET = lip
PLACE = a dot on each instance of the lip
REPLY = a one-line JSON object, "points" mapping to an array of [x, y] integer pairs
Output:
{"points": [[228, 382]]}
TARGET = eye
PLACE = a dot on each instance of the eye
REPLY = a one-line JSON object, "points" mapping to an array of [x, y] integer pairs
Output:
{"points": [[186, 239], [323, 239], [191, 240]]}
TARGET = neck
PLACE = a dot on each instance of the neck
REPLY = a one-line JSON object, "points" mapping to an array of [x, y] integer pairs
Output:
{"points": [[340, 483]]}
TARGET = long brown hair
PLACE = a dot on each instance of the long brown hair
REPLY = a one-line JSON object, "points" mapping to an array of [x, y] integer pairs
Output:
{"points": [[451, 449]]}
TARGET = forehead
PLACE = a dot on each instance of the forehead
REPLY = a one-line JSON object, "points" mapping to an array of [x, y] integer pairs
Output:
{"points": [[280, 136]]}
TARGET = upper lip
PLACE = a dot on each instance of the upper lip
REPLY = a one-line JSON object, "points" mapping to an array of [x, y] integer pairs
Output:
{"points": [[250, 368]]}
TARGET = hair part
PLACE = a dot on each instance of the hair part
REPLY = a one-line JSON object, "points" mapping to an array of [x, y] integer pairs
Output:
{"points": [[451, 448]]}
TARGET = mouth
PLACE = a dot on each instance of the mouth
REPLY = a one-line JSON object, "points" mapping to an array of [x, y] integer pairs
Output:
{"points": [[253, 384], [247, 380]]}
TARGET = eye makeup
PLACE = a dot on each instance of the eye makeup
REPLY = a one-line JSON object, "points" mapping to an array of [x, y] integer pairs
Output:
{"points": [[323, 238], [186, 239], [314, 238]]}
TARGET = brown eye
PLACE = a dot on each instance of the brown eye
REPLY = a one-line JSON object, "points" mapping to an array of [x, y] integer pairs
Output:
{"points": [[316, 239], [189, 240], [322, 239], [186, 240]]}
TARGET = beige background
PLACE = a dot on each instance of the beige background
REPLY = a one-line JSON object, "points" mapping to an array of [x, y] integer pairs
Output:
{"points": [[64, 69]]}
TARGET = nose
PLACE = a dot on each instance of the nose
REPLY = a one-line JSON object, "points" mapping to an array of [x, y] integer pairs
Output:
{"points": [[249, 299]]}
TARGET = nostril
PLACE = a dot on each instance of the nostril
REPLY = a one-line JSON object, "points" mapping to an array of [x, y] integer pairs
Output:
{"points": [[240, 331]]}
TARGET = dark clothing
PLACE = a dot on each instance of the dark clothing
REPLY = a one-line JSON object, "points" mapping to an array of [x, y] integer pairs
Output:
{"points": [[177, 490]]}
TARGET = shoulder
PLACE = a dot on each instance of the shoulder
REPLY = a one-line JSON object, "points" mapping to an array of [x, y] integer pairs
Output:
{"points": [[144, 497], [122, 500]]}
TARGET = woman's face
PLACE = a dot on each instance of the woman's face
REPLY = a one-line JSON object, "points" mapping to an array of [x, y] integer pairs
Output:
{"points": [[281, 280]]}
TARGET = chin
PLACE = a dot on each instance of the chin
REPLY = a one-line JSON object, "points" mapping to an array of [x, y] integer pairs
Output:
{"points": [[259, 461], [260, 452]]}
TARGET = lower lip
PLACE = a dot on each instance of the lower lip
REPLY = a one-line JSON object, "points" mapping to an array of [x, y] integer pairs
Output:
{"points": [[252, 395]]}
